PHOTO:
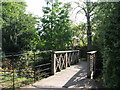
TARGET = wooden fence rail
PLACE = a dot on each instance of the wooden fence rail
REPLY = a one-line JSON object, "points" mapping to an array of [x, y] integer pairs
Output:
{"points": [[20, 69], [63, 59]]}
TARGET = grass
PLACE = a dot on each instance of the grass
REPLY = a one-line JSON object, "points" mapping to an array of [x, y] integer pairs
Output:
{"points": [[19, 81], [21, 78], [83, 59]]}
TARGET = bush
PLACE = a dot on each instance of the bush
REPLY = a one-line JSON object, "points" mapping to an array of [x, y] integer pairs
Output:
{"points": [[110, 47], [83, 52]]}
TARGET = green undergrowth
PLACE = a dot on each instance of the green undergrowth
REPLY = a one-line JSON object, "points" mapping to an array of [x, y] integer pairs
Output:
{"points": [[83, 59]]}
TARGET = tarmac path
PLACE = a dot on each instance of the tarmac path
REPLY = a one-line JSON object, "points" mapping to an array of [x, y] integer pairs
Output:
{"points": [[74, 76]]}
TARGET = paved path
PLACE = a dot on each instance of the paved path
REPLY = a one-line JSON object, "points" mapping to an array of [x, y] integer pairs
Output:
{"points": [[72, 77]]}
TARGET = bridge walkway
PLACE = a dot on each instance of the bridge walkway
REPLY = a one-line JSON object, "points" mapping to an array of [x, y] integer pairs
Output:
{"points": [[74, 76]]}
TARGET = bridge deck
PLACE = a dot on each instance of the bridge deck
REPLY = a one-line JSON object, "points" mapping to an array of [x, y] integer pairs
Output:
{"points": [[72, 77]]}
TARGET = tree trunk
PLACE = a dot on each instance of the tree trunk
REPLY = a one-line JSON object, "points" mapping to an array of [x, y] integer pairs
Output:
{"points": [[89, 36]]}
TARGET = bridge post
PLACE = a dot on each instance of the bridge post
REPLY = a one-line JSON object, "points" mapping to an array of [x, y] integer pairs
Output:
{"points": [[88, 65], [91, 61], [53, 64], [94, 63], [66, 58], [78, 56]]}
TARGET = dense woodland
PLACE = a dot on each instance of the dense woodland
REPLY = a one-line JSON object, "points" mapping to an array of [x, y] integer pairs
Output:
{"points": [[22, 32]]}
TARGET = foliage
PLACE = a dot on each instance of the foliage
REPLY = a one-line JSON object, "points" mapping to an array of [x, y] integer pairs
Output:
{"points": [[88, 8], [108, 29], [18, 28], [55, 32], [79, 35], [25, 68]]}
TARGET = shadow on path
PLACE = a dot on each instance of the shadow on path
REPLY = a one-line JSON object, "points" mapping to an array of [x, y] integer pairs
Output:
{"points": [[71, 77], [80, 80]]}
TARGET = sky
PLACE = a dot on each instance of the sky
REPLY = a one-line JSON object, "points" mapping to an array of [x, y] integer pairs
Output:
{"points": [[35, 7]]}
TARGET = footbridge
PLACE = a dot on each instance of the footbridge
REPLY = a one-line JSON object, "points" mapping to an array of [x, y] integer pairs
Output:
{"points": [[64, 70]]}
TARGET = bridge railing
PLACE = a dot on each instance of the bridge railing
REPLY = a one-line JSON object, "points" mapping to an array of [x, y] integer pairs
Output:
{"points": [[91, 59], [21, 69], [63, 59], [18, 70]]}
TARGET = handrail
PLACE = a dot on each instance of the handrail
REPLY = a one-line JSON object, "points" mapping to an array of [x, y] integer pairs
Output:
{"points": [[91, 52], [25, 53], [66, 51], [19, 65], [63, 59], [30, 68]]}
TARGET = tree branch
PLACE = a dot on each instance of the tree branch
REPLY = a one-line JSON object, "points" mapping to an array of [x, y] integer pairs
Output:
{"points": [[93, 7], [77, 13], [83, 10]]}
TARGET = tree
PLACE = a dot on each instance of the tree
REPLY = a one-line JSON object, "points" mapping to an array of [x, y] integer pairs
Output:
{"points": [[18, 28], [55, 28], [79, 34], [88, 8]]}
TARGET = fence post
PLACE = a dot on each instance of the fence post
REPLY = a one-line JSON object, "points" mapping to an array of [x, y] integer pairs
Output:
{"points": [[88, 65], [94, 68], [27, 61], [53, 63], [13, 72], [78, 56], [71, 58], [66, 62], [91, 61], [34, 68]]}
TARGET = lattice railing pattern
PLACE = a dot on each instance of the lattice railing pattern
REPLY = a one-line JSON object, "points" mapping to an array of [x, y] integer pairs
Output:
{"points": [[64, 59]]}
